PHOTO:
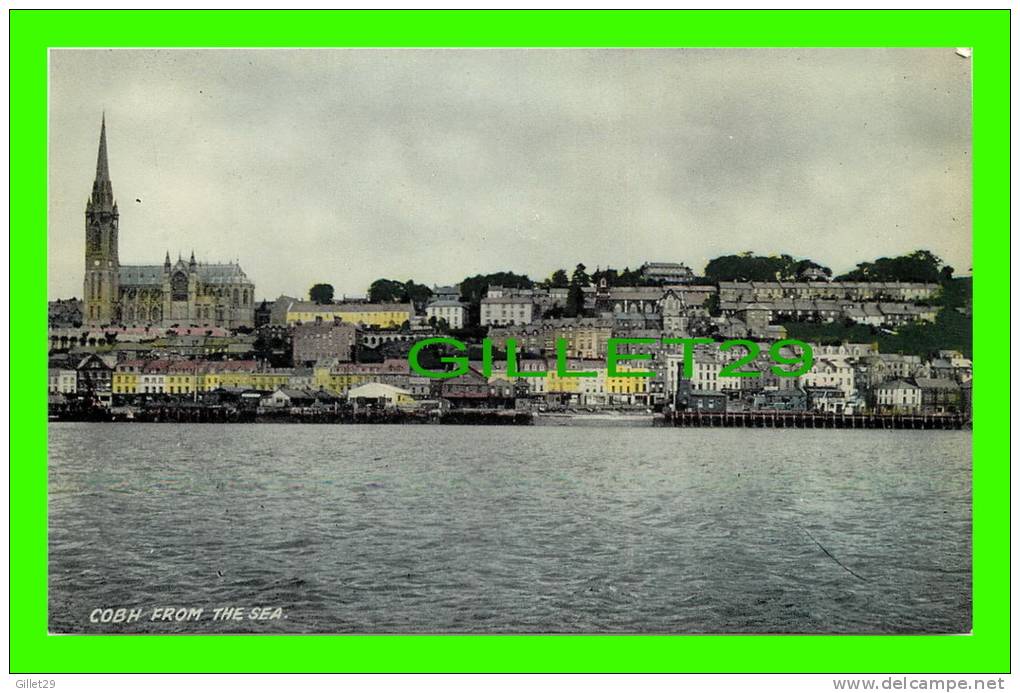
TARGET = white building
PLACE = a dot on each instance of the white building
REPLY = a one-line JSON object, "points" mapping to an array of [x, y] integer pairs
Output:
{"points": [[382, 395], [63, 380], [707, 363], [152, 383], [898, 394], [507, 310], [453, 312], [668, 272], [830, 373]]}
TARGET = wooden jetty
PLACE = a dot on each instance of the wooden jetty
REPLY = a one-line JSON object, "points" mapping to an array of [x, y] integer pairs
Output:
{"points": [[810, 419]]}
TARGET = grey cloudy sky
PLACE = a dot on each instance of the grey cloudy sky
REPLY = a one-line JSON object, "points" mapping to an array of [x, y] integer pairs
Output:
{"points": [[344, 166]]}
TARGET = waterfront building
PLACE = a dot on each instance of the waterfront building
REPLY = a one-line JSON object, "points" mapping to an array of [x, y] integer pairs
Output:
{"points": [[185, 293], [884, 367], [939, 395], [688, 398], [152, 382], [829, 373], [898, 396], [94, 375], [182, 377], [470, 389], [228, 374], [126, 376], [269, 379], [336, 376], [324, 339], [381, 395], [566, 388], [63, 381], [786, 399], [830, 400], [287, 398], [302, 378], [627, 390]]}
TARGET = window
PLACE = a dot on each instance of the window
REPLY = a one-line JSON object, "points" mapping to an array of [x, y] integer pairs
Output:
{"points": [[179, 287]]}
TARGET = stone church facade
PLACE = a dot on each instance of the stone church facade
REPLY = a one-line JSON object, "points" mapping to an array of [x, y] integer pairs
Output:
{"points": [[184, 293]]}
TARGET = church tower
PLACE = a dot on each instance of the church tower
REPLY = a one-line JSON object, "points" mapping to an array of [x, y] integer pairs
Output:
{"points": [[102, 265]]}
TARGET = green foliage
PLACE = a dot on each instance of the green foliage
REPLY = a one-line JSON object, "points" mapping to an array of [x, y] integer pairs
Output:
{"points": [[624, 277], [759, 268], [712, 305], [393, 291], [558, 280], [575, 295], [918, 266], [955, 293], [952, 329], [418, 294], [830, 332], [554, 313], [472, 289], [386, 291], [321, 293]]}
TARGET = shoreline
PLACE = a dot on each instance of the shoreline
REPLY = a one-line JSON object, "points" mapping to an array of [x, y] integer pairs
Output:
{"points": [[509, 417]]}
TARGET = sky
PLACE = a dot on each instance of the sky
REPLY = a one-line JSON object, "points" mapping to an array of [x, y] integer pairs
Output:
{"points": [[344, 166]]}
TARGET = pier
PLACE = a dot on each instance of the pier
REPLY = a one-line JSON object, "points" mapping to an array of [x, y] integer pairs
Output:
{"points": [[808, 419], [227, 414]]}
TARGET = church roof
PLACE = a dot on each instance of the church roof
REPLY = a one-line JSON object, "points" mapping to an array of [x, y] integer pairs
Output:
{"points": [[152, 275], [135, 275], [230, 273]]}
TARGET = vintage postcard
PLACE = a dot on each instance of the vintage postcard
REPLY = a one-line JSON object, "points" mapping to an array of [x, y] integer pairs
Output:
{"points": [[510, 341]]}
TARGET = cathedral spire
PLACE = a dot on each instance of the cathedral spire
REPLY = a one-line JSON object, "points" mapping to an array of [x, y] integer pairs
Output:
{"points": [[102, 190], [102, 165]]}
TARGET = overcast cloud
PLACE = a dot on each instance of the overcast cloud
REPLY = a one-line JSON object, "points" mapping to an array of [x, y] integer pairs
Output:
{"points": [[343, 166]]}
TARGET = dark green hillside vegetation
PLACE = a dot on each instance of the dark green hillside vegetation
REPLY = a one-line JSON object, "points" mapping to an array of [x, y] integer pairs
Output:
{"points": [[952, 328]]}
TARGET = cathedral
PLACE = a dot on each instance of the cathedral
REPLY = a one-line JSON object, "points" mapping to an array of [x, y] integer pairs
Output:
{"points": [[184, 293]]}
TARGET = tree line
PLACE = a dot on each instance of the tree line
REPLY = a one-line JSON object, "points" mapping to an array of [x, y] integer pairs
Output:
{"points": [[917, 266]]}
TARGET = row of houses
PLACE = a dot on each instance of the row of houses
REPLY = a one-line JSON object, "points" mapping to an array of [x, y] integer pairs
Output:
{"points": [[843, 379], [876, 314], [751, 292]]}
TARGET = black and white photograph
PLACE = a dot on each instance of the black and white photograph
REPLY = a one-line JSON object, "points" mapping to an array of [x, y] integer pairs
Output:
{"points": [[510, 341]]}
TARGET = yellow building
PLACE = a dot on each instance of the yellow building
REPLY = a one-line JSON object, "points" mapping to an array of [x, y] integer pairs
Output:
{"points": [[339, 376], [269, 381], [586, 339], [125, 377], [554, 384], [384, 315], [626, 385], [181, 378], [224, 374]]}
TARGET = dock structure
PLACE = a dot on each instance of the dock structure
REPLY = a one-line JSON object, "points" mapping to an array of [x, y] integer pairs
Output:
{"points": [[810, 419], [227, 414]]}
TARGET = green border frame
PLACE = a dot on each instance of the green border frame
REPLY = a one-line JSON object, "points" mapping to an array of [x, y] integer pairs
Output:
{"points": [[33, 32]]}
